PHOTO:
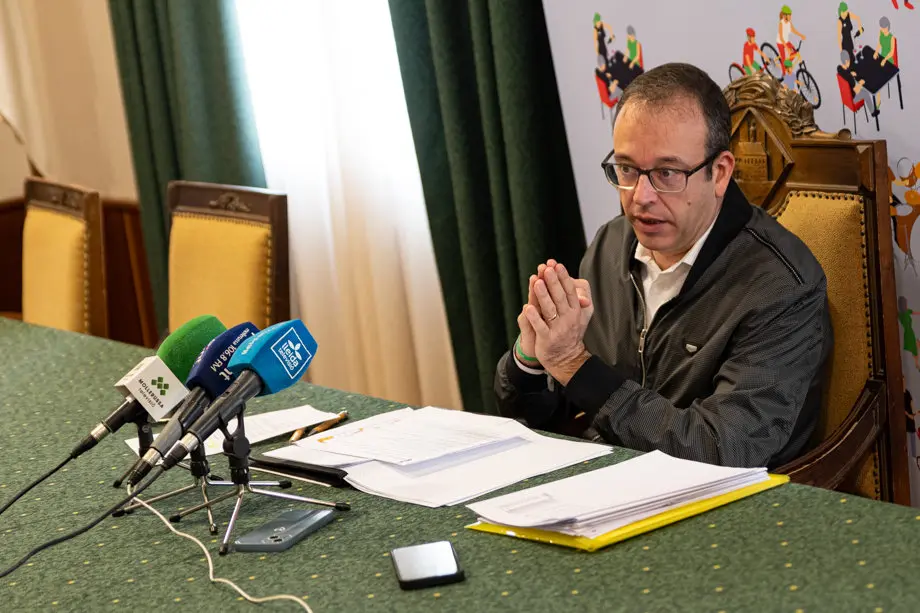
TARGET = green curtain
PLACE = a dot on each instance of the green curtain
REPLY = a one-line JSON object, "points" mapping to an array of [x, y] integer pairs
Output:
{"points": [[188, 108], [495, 166]]}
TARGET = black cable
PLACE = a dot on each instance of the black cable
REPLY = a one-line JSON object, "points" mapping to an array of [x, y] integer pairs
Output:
{"points": [[25, 490], [156, 473]]}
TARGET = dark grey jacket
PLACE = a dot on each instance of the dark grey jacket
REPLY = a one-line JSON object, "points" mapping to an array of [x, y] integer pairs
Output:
{"points": [[730, 371]]}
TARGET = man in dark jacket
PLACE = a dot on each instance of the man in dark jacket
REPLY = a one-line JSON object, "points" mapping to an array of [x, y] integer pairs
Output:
{"points": [[699, 326]]}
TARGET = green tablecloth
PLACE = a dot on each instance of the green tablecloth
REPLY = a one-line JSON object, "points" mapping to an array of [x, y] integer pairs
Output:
{"points": [[792, 548]]}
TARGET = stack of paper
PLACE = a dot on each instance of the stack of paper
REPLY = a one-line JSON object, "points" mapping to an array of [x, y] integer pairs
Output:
{"points": [[603, 500], [436, 457]]}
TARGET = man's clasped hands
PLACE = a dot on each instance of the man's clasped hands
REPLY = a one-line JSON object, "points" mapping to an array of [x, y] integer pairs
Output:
{"points": [[553, 322]]}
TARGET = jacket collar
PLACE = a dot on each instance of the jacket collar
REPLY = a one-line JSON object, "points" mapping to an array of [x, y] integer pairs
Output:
{"points": [[733, 216]]}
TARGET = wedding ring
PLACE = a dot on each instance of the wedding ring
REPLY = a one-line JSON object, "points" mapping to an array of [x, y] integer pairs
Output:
{"points": [[553, 317]]}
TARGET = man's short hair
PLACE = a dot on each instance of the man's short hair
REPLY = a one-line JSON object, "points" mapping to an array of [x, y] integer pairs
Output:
{"points": [[844, 57], [630, 31], [884, 23], [671, 84]]}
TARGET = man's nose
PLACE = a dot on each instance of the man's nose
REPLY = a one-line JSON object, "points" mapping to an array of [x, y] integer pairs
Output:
{"points": [[644, 193]]}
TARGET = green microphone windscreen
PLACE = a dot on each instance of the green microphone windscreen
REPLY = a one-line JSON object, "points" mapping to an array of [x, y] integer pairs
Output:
{"points": [[181, 348]]}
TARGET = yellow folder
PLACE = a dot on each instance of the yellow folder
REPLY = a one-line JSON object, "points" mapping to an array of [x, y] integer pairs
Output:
{"points": [[634, 529]]}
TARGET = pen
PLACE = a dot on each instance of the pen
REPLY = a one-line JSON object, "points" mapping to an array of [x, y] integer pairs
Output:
{"points": [[298, 434]]}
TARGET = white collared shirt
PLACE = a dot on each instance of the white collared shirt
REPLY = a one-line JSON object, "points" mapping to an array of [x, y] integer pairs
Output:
{"points": [[659, 286]]}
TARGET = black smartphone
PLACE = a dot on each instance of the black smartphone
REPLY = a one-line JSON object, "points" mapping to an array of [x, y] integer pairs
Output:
{"points": [[426, 565]]}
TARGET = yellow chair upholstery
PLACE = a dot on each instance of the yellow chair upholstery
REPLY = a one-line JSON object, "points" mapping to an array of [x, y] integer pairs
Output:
{"points": [[833, 227], [219, 266], [55, 270]]}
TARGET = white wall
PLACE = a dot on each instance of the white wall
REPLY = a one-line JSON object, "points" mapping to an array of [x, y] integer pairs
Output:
{"points": [[59, 85], [711, 35]]}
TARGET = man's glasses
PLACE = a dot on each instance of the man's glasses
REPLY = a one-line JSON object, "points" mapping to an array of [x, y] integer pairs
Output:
{"points": [[663, 180]]}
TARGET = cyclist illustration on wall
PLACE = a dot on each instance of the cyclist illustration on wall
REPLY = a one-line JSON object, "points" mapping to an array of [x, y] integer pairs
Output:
{"points": [[790, 81], [785, 60], [783, 42], [749, 64]]}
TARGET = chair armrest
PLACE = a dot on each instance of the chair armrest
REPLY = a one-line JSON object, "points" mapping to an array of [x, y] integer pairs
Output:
{"points": [[843, 452]]}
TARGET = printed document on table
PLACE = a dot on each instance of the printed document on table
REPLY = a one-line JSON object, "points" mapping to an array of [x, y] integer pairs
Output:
{"points": [[262, 426], [420, 436], [306, 451], [463, 476]]}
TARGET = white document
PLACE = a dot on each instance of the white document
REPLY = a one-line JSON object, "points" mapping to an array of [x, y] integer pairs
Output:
{"points": [[601, 500], [475, 454], [317, 457], [307, 451], [461, 477], [418, 436], [263, 426]]}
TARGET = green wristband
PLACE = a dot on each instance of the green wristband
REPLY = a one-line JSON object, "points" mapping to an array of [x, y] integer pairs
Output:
{"points": [[520, 353]]}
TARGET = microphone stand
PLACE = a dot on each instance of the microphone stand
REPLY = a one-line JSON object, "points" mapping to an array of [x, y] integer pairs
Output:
{"points": [[200, 469], [144, 441], [237, 449]]}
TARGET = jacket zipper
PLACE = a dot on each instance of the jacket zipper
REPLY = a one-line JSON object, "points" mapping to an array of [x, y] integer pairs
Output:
{"points": [[646, 327], [644, 331]]}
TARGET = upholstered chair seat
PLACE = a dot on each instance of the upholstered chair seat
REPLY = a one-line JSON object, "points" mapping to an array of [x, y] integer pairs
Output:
{"points": [[228, 254], [833, 226], [63, 282]]}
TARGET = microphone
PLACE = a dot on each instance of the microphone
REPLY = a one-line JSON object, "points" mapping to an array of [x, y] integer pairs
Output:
{"points": [[155, 385], [270, 361], [208, 379]]}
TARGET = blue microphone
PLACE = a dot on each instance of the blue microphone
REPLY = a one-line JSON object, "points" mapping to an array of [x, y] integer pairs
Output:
{"points": [[271, 361], [208, 379]]}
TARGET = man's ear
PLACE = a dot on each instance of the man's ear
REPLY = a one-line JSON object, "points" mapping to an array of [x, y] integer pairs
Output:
{"points": [[722, 169]]}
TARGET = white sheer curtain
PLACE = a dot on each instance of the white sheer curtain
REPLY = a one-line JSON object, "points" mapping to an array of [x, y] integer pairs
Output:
{"points": [[335, 136], [59, 86]]}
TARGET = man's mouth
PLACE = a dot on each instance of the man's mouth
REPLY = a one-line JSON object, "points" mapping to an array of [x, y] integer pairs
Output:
{"points": [[651, 221]]}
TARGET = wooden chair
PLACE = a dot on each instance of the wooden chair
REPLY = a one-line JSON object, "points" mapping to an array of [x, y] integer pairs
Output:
{"points": [[63, 258], [228, 254], [834, 193], [129, 302]]}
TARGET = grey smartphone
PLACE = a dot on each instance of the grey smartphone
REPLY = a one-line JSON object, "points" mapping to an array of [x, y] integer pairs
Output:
{"points": [[426, 565], [282, 533]]}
